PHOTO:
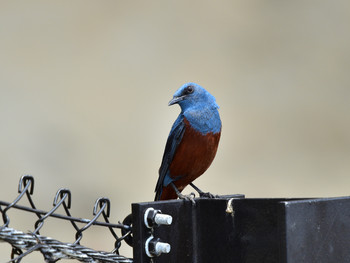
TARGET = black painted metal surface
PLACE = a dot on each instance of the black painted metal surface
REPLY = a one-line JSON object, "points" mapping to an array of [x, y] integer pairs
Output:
{"points": [[259, 230], [317, 230]]}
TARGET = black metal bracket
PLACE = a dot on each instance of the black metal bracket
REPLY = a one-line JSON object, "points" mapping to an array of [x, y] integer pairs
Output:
{"points": [[242, 230]]}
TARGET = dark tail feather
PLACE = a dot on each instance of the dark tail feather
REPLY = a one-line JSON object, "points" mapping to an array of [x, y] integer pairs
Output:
{"points": [[165, 193], [158, 194]]}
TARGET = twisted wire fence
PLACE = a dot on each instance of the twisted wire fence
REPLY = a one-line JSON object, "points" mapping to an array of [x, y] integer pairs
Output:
{"points": [[53, 250]]}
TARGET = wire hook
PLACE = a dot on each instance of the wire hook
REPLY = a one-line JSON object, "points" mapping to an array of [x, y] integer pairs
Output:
{"points": [[67, 206], [61, 194], [25, 182], [60, 197], [102, 201], [104, 204]]}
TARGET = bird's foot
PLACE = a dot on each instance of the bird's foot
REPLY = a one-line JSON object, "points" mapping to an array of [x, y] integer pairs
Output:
{"points": [[189, 197], [203, 194]]}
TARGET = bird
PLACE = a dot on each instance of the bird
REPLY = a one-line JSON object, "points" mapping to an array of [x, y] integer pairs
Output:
{"points": [[192, 143]]}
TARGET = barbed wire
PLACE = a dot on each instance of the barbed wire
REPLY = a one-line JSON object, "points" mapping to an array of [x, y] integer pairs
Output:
{"points": [[52, 249]]}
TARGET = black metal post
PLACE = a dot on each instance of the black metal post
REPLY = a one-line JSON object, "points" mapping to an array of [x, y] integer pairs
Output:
{"points": [[247, 230]]}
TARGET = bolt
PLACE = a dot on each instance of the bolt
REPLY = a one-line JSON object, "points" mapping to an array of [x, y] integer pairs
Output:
{"points": [[154, 247], [154, 217]]}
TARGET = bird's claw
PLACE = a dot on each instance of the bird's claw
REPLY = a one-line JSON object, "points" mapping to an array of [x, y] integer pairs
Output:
{"points": [[189, 197]]}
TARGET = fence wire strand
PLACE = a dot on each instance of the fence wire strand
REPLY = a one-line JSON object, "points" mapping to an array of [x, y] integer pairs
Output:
{"points": [[52, 249]]}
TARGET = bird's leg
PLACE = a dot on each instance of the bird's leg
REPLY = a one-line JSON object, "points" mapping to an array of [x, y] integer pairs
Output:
{"points": [[201, 193], [182, 196]]}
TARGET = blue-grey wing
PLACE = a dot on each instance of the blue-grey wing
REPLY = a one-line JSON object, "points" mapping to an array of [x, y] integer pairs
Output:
{"points": [[174, 139]]}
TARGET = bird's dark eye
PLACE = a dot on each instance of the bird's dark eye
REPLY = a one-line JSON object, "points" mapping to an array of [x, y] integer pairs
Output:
{"points": [[189, 90]]}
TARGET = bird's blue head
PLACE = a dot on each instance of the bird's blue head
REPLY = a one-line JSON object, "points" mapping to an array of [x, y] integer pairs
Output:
{"points": [[198, 106], [193, 96]]}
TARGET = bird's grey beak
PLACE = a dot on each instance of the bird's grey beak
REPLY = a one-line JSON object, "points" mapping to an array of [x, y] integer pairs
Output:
{"points": [[176, 100]]}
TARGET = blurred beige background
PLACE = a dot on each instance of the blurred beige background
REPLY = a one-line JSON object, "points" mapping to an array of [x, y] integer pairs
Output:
{"points": [[84, 87]]}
